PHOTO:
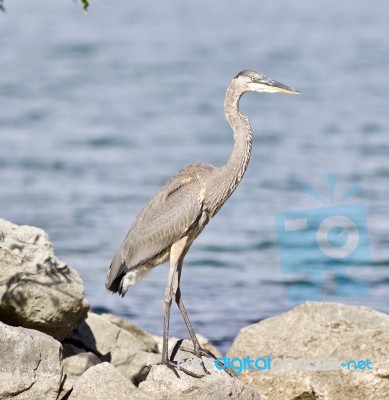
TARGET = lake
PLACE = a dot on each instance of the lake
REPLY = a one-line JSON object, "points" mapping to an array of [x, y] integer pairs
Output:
{"points": [[99, 110]]}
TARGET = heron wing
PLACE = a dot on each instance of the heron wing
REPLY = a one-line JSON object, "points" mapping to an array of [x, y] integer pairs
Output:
{"points": [[166, 218]]}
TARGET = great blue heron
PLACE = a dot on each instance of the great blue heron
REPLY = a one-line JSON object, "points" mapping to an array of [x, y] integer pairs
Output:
{"points": [[173, 218]]}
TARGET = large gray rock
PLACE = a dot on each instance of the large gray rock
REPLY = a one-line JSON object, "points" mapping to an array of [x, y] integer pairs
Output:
{"points": [[163, 384], [75, 366], [30, 364], [334, 332], [37, 290], [102, 381], [139, 367], [110, 343], [129, 348], [128, 326], [75, 362]]}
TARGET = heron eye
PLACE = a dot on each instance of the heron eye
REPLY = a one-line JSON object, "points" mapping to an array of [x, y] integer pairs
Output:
{"points": [[253, 78]]}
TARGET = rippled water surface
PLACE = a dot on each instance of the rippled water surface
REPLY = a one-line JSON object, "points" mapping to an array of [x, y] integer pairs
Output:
{"points": [[98, 110]]}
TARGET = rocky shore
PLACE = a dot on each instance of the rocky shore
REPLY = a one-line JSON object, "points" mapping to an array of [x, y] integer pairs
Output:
{"points": [[53, 347]]}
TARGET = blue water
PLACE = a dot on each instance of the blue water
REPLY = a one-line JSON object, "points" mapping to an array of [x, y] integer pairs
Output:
{"points": [[98, 110]]}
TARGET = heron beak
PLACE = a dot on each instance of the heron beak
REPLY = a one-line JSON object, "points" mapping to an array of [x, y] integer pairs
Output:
{"points": [[279, 87]]}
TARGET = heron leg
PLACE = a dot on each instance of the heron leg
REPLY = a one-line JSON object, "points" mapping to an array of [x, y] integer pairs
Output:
{"points": [[198, 351], [176, 254], [180, 304]]}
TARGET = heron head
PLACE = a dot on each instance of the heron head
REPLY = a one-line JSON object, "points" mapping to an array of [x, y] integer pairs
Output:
{"points": [[252, 81]]}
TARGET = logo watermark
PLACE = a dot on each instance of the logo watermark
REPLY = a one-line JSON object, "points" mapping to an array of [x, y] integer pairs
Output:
{"points": [[322, 240], [273, 365]]}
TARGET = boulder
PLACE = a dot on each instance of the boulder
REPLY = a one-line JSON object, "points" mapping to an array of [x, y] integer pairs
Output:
{"points": [[129, 348], [102, 381], [335, 352], [37, 290], [128, 326], [31, 365], [111, 343], [139, 367], [69, 350], [77, 364], [162, 384]]}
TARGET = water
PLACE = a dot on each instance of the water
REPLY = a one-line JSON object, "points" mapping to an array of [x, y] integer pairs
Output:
{"points": [[98, 111]]}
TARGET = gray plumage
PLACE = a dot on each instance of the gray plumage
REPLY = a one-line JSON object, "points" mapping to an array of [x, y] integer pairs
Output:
{"points": [[162, 223], [173, 218]]}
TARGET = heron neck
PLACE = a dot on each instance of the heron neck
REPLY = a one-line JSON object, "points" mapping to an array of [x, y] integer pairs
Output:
{"points": [[226, 179], [237, 164]]}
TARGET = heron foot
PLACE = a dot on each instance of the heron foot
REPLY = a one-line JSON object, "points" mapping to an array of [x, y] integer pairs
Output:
{"points": [[173, 365], [201, 352]]}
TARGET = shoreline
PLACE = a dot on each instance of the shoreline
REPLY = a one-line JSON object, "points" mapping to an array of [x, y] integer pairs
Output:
{"points": [[52, 346]]}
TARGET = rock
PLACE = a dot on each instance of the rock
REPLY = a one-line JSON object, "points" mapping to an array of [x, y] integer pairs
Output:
{"points": [[129, 348], [332, 332], [102, 381], [163, 384], [69, 350], [128, 326], [77, 364], [139, 367], [37, 290], [31, 366], [204, 342], [109, 342]]}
